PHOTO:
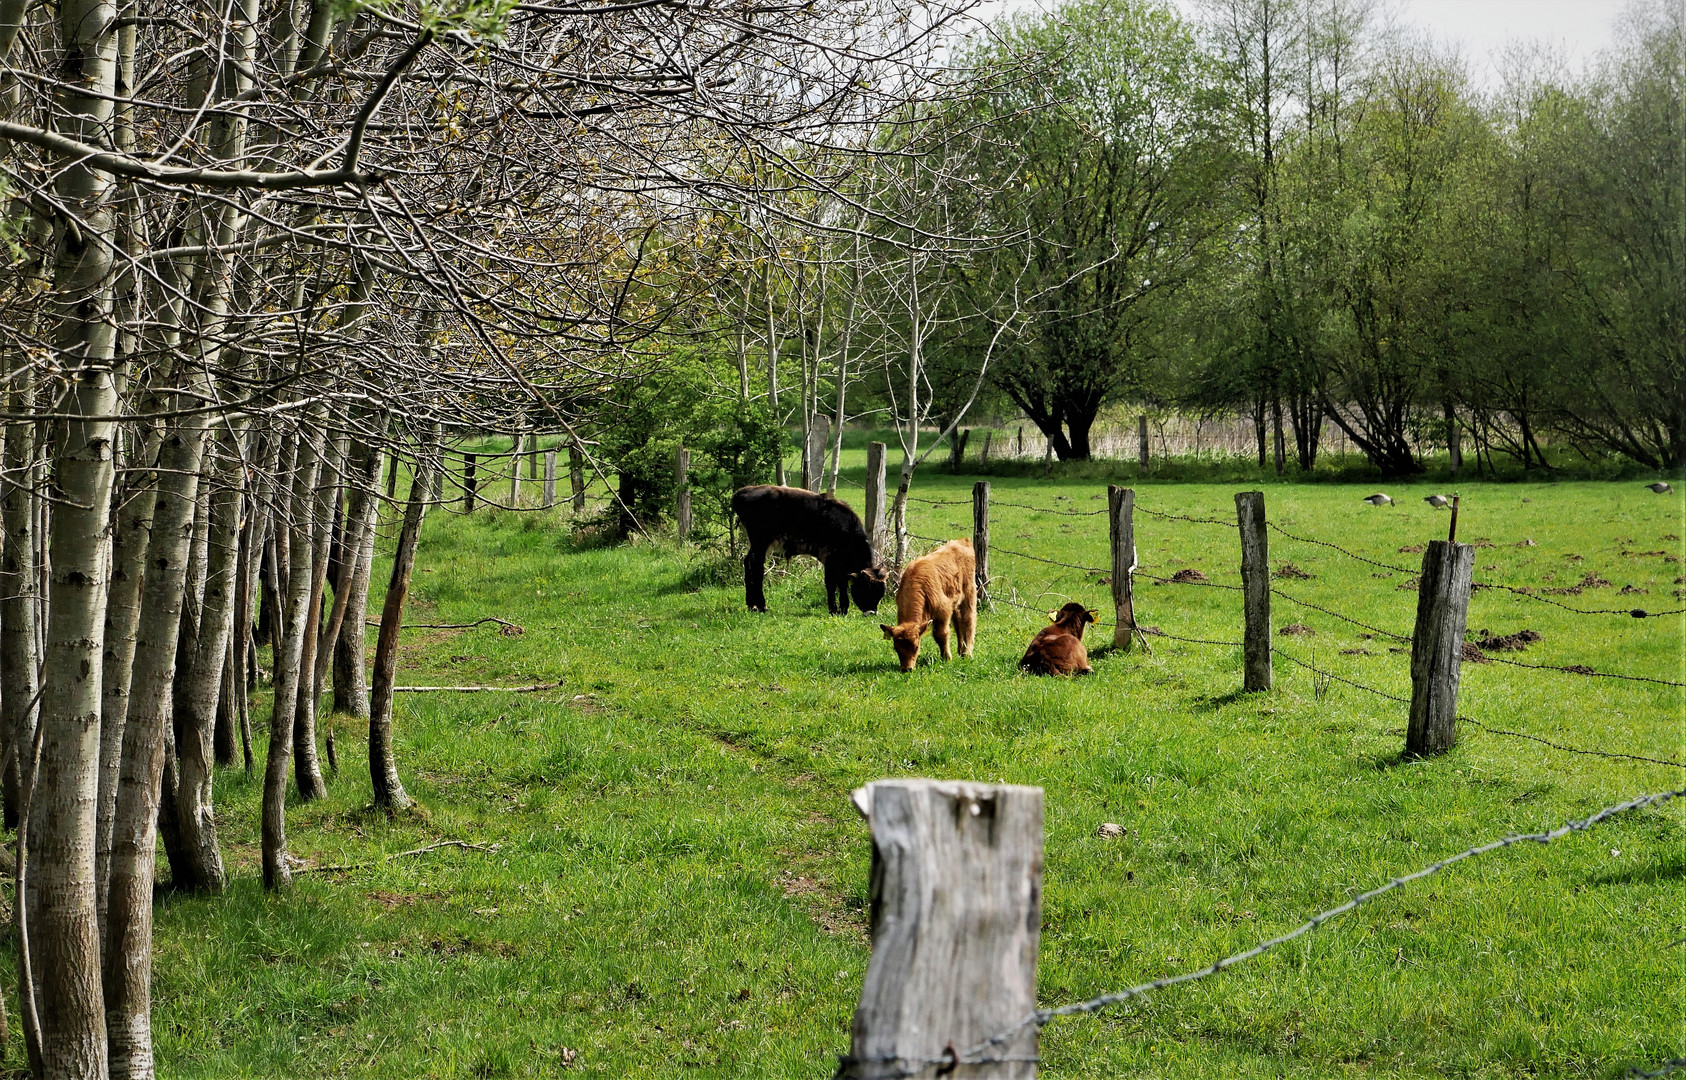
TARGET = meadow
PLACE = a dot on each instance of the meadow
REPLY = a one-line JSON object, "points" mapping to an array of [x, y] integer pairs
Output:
{"points": [[667, 877]]}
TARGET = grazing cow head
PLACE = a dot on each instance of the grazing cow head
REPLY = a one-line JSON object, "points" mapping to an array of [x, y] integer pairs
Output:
{"points": [[1073, 617], [867, 587], [906, 640]]}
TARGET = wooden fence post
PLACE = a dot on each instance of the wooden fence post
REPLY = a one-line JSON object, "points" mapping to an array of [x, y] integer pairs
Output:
{"points": [[1437, 646], [549, 479], [1142, 431], [956, 902], [535, 456], [980, 536], [957, 449], [682, 478], [983, 458], [1255, 590], [874, 514], [468, 482], [1121, 502], [576, 478], [515, 471]]}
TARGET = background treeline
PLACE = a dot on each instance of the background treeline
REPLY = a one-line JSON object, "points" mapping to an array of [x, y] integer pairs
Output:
{"points": [[1283, 210]]}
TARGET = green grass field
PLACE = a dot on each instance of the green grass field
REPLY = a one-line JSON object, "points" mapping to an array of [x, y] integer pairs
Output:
{"points": [[679, 883]]}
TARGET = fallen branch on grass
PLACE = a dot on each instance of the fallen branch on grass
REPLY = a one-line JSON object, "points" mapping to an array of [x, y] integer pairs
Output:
{"points": [[505, 627], [475, 689], [342, 867]]}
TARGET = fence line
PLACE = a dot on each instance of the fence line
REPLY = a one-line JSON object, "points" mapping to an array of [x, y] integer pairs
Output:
{"points": [[975, 1055], [1338, 615], [1570, 749], [1664, 1069], [1584, 671], [1351, 555]]}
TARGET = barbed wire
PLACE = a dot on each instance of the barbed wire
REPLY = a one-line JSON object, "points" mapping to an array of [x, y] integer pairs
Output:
{"points": [[1154, 631], [1338, 615], [1570, 749], [1186, 517], [1671, 1065], [1314, 669], [1635, 613], [1349, 554], [1584, 671], [994, 550], [1185, 581], [974, 1055], [993, 502]]}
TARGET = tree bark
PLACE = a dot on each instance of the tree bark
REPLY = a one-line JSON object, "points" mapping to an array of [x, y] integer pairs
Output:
{"points": [[383, 766], [307, 768], [276, 874], [19, 648], [359, 522], [199, 866], [128, 957]]}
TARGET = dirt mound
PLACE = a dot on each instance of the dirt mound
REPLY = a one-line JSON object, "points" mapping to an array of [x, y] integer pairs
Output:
{"points": [[1472, 654], [1411, 583], [1297, 630], [1629, 590], [1411, 549], [1525, 542], [1289, 570], [1593, 581], [1356, 652], [1509, 642], [1188, 576]]}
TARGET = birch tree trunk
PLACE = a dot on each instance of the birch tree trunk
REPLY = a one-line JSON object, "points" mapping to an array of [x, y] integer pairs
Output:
{"points": [[19, 653], [199, 865], [128, 957], [317, 536], [288, 648], [383, 767], [362, 473], [351, 685], [63, 923]]}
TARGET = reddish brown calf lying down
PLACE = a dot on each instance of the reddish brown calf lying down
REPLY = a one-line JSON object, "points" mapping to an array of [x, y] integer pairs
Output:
{"points": [[1058, 649], [934, 589]]}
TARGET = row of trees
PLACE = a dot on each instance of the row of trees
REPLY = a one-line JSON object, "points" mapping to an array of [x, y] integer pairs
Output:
{"points": [[268, 260], [1284, 209]]}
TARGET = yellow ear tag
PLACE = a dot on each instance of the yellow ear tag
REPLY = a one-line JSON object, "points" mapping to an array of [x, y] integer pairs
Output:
{"points": [[1094, 616]]}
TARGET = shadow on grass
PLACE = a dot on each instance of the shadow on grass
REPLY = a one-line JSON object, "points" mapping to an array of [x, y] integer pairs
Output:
{"points": [[1654, 873]]}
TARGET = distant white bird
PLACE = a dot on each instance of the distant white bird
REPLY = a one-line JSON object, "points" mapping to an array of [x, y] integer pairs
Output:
{"points": [[1437, 501], [1378, 499], [1660, 488]]}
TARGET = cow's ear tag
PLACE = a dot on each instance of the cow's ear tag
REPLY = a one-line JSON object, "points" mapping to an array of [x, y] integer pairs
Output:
{"points": [[1094, 616], [1053, 616]]}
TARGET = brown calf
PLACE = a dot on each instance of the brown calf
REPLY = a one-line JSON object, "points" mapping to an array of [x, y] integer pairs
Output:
{"points": [[934, 589], [1058, 649]]}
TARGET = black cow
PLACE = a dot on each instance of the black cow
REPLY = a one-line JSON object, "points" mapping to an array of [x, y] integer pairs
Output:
{"points": [[793, 521]]}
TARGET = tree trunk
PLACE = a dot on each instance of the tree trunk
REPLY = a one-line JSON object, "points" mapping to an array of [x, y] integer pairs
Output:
{"points": [[351, 686], [383, 767], [128, 958], [200, 865], [362, 473], [19, 648], [308, 463], [315, 534]]}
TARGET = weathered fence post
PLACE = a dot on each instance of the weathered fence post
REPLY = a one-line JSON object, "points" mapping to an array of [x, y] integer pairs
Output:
{"points": [[813, 456], [980, 536], [1121, 504], [549, 479], [1142, 431], [515, 472], [956, 902], [535, 457], [1255, 590], [576, 478], [874, 511], [682, 480], [468, 482], [957, 449], [1437, 646], [983, 458]]}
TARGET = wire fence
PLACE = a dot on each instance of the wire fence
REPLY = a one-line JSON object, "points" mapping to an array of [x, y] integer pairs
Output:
{"points": [[986, 1051]]}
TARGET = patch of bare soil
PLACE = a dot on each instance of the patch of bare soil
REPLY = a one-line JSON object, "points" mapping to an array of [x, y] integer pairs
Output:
{"points": [[1472, 654], [1632, 590], [1509, 642], [1356, 652], [1526, 542], [1297, 630], [1189, 575], [1411, 549], [1410, 584], [1289, 570]]}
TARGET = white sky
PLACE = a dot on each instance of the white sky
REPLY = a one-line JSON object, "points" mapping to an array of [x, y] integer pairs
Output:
{"points": [[1574, 29]]}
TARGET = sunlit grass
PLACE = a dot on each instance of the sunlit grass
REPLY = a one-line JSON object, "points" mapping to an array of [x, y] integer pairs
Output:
{"points": [[679, 883]]}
